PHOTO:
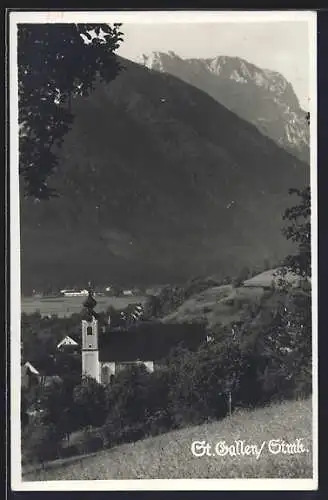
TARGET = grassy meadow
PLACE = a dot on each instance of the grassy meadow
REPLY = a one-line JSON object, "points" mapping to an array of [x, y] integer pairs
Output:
{"points": [[66, 306], [169, 456], [222, 304]]}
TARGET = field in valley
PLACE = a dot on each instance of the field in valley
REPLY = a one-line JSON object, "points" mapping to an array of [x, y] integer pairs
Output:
{"points": [[65, 306], [169, 456]]}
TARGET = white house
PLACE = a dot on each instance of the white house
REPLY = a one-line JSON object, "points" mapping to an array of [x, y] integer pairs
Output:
{"points": [[67, 341], [42, 372], [74, 293]]}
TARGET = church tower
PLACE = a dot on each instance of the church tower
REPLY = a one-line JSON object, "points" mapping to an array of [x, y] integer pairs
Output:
{"points": [[90, 352]]}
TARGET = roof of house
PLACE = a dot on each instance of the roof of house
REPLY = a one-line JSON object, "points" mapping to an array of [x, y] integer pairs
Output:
{"points": [[44, 366], [148, 341], [28, 367], [69, 340]]}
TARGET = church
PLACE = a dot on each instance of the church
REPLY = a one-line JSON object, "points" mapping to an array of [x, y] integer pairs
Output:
{"points": [[107, 351]]}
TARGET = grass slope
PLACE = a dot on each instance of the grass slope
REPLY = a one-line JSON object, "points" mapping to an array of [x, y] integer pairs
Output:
{"points": [[227, 304], [169, 456], [222, 304]]}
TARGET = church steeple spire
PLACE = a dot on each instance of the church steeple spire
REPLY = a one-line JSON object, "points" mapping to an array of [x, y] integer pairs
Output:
{"points": [[90, 303]]}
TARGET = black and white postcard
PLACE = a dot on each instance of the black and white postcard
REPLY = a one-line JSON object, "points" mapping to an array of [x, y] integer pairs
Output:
{"points": [[163, 203]]}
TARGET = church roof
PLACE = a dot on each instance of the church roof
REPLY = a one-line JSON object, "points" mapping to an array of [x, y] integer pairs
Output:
{"points": [[148, 341]]}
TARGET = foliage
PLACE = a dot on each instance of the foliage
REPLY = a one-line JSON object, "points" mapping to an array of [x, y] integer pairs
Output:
{"points": [[153, 307], [40, 443], [69, 365], [169, 456], [263, 357], [204, 381], [115, 316], [55, 403], [24, 408], [159, 410], [127, 400], [295, 319], [92, 441], [56, 63], [89, 403], [299, 232], [171, 297], [40, 335], [277, 353]]}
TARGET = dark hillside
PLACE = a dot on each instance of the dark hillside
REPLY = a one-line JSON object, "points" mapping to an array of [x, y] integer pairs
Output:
{"points": [[158, 182]]}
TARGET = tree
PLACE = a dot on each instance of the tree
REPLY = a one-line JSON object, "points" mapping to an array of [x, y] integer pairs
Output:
{"points": [[276, 349], [89, 403], [114, 315], [299, 231], [24, 408], [203, 380], [41, 444], [153, 307], [242, 276], [294, 321], [52, 403], [129, 404], [69, 365], [56, 63]]}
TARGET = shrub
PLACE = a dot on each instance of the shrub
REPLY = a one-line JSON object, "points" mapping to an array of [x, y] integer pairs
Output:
{"points": [[91, 442]]}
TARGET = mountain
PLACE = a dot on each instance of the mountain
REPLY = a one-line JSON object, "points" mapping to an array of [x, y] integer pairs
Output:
{"points": [[158, 182], [260, 96]]}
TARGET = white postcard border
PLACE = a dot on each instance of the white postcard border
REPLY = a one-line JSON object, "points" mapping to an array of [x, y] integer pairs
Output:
{"points": [[15, 296]]}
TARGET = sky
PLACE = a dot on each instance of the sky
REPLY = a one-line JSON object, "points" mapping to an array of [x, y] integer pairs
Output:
{"points": [[279, 46]]}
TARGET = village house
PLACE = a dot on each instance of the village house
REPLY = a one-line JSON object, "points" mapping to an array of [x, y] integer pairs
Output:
{"points": [[69, 342], [74, 293], [39, 373]]}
